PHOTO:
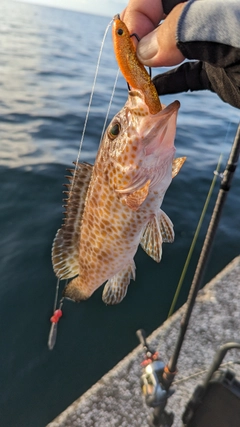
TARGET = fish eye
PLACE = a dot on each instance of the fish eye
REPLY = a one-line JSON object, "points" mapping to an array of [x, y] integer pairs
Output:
{"points": [[120, 31], [114, 130]]}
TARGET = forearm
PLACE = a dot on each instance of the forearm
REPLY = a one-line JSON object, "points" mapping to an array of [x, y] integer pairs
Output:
{"points": [[208, 30], [210, 20]]}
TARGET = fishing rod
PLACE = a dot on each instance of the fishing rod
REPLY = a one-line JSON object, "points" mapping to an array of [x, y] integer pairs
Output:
{"points": [[157, 378]]}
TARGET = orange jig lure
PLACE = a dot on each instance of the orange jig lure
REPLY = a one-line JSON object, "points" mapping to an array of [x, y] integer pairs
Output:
{"points": [[133, 71]]}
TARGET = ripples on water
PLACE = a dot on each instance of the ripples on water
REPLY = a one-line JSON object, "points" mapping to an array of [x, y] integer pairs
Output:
{"points": [[48, 59]]}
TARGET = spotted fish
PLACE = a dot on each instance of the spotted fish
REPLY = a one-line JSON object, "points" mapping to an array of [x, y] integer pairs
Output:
{"points": [[114, 206]]}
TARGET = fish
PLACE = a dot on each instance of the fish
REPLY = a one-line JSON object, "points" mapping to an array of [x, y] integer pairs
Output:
{"points": [[113, 206]]}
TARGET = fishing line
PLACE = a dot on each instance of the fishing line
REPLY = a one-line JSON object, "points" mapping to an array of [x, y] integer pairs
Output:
{"points": [[216, 174], [182, 277], [181, 380], [56, 295], [57, 314], [90, 102], [228, 130], [109, 105]]}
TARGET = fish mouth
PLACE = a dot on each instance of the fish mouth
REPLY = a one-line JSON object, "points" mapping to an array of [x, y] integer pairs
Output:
{"points": [[159, 129], [137, 98], [168, 110]]}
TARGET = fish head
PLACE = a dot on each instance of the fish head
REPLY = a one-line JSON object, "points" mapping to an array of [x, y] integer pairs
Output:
{"points": [[138, 147]]}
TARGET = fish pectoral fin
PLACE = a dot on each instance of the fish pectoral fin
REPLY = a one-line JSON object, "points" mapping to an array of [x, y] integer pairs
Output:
{"points": [[166, 227], [151, 241], [134, 200], [116, 288], [177, 164]]}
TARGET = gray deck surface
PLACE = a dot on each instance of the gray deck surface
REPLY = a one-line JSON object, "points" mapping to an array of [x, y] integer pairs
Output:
{"points": [[116, 399]]}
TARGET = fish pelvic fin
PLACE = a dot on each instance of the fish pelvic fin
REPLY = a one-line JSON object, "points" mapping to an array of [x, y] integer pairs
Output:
{"points": [[135, 199], [157, 231], [151, 240], [166, 227], [75, 291], [116, 288], [177, 164], [65, 249]]}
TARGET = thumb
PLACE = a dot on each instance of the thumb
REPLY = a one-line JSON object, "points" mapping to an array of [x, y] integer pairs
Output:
{"points": [[159, 48], [189, 76]]}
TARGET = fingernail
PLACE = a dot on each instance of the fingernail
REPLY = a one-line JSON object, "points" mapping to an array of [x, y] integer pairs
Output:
{"points": [[147, 47]]}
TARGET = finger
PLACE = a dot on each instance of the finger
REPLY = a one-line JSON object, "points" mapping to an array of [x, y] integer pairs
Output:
{"points": [[142, 17], [159, 48], [189, 76]]}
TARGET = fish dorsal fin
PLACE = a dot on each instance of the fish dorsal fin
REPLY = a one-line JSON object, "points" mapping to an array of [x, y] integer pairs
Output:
{"points": [[151, 241], [135, 199], [116, 288], [65, 249], [166, 227], [177, 164]]}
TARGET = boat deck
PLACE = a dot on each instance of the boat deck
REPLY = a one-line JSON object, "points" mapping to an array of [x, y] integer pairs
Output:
{"points": [[116, 399]]}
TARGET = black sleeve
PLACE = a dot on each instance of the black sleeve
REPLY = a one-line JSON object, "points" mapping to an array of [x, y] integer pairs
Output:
{"points": [[225, 82], [200, 75], [221, 64], [214, 53], [188, 76], [168, 5]]}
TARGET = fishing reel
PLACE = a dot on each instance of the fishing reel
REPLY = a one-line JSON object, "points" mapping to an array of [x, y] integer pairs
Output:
{"points": [[152, 380]]}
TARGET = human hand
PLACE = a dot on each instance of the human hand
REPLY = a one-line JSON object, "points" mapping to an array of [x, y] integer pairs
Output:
{"points": [[159, 46], [142, 17], [218, 66]]}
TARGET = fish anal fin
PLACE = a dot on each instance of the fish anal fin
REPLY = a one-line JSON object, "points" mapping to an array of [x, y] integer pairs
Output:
{"points": [[134, 200], [116, 288], [65, 249], [177, 164], [166, 227], [151, 241]]}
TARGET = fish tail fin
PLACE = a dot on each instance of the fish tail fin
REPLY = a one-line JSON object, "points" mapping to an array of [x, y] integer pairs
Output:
{"points": [[75, 290]]}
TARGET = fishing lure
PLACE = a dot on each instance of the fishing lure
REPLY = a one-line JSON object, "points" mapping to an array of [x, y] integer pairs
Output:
{"points": [[133, 71]]}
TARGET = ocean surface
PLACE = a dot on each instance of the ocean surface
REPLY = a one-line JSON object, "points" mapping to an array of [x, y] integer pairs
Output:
{"points": [[48, 59]]}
